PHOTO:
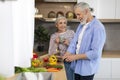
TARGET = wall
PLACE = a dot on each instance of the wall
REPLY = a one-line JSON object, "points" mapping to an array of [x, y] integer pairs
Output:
{"points": [[113, 36], [50, 26], [6, 39], [16, 34], [112, 32], [23, 27]]}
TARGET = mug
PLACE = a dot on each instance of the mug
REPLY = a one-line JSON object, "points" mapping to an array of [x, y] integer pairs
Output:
{"points": [[61, 38]]}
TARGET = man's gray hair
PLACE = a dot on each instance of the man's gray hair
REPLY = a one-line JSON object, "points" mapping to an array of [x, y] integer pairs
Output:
{"points": [[83, 6], [59, 18]]}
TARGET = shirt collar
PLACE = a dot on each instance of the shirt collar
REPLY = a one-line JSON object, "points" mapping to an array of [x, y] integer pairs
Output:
{"points": [[91, 22]]}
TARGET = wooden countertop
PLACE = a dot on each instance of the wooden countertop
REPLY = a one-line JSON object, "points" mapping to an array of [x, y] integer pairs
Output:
{"points": [[105, 54], [60, 74], [13, 77], [111, 54]]}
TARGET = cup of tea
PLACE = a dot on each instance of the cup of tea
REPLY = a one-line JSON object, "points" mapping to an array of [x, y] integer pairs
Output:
{"points": [[61, 38]]}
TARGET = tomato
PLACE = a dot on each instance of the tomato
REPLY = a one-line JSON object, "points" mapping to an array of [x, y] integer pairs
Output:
{"points": [[45, 59], [35, 55]]}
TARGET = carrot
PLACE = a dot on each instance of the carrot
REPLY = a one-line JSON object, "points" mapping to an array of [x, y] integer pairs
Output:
{"points": [[52, 70]]}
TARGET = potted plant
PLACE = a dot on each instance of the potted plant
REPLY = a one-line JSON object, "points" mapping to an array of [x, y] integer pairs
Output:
{"points": [[41, 37]]}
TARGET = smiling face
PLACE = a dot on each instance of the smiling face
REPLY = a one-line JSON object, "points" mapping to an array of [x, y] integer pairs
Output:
{"points": [[61, 25], [81, 15]]}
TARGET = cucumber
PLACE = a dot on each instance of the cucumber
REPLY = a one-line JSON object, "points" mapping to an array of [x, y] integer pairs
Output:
{"points": [[58, 66]]}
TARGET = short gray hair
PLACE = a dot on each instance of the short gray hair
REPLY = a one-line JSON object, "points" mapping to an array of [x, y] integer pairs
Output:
{"points": [[59, 18], [83, 6]]}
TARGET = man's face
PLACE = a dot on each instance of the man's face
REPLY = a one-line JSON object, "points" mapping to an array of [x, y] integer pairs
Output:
{"points": [[81, 15]]}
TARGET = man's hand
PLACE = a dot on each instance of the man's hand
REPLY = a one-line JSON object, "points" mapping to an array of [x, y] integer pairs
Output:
{"points": [[65, 55], [70, 58]]}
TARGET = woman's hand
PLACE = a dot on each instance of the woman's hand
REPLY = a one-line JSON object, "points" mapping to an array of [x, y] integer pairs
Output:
{"points": [[57, 40], [66, 42]]}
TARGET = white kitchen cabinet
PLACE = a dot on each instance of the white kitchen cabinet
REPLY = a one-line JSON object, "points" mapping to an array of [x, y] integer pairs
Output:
{"points": [[106, 9], [117, 9], [104, 71], [109, 69], [116, 68], [92, 3]]}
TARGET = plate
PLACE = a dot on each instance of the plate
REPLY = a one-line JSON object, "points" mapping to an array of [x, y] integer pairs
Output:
{"points": [[70, 15], [60, 13], [51, 14]]}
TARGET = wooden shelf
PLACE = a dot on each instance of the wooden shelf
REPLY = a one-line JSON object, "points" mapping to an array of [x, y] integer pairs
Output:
{"points": [[110, 20], [75, 20]]}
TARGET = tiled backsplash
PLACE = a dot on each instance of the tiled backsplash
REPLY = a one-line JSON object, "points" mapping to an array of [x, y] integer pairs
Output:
{"points": [[113, 37], [45, 8]]}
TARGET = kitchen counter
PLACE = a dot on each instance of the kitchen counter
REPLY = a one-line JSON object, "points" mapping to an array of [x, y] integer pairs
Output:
{"points": [[61, 74], [55, 75], [111, 54], [105, 54], [13, 77]]}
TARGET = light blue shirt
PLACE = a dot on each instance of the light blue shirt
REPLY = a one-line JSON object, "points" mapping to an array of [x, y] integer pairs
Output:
{"points": [[92, 44]]}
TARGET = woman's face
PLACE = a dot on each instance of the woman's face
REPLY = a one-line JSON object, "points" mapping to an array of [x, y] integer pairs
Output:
{"points": [[61, 25]]}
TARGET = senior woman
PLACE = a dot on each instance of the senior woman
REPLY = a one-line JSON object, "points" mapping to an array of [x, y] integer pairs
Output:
{"points": [[59, 42]]}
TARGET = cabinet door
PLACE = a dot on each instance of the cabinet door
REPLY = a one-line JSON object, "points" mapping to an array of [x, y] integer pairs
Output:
{"points": [[116, 69], [106, 9], [104, 71], [92, 4], [117, 9]]}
